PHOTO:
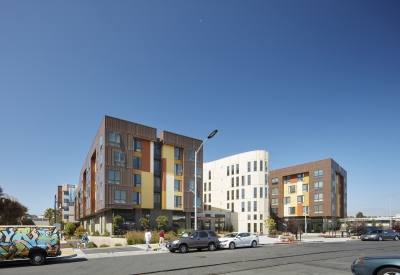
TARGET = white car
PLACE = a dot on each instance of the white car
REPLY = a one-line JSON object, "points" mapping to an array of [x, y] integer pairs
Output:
{"points": [[238, 239]]}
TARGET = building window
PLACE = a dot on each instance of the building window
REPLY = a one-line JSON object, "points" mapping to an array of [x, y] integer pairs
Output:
{"points": [[286, 200], [266, 192], [318, 173], [286, 179], [318, 208], [266, 179], [157, 182], [227, 170], [318, 197], [292, 210], [209, 207], [261, 217], [248, 167], [227, 195], [177, 201], [205, 187], [157, 166], [249, 206], [232, 194], [137, 163], [209, 175], [178, 169], [305, 210], [199, 172], [242, 180], [249, 227], [237, 194], [232, 207], [232, 182], [205, 199], [243, 207], [255, 166], [232, 169], [255, 192], [300, 177], [157, 198], [255, 205], [261, 165], [137, 198], [137, 180], [137, 145], [101, 142], [119, 159], [178, 185], [274, 211], [192, 155], [274, 181], [119, 196], [101, 160], [227, 205], [305, 187], [157, 151], [274, 201], [191, 185], [113, 139], [209, 197], [101, 196], [292, 189], [248, 179], [237, 181], [318, 185], [242, 193], [255, 217], [209, 186], [300, 199], [261, 192], [178, 153], [113, 176], [274, 191], [237, 168]]}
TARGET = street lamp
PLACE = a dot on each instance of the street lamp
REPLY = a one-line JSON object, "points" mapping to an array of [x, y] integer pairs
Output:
{"points": [[55, 208], [195, 177], [391, 208]]}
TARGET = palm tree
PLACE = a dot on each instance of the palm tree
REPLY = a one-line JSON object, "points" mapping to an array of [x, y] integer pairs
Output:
{"points": [[49, 213]]}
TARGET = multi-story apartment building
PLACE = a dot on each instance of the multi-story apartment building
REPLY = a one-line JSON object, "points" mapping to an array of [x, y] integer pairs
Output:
{"points": [[131, 172], [314, 193], [65, 198], [236, 192]]}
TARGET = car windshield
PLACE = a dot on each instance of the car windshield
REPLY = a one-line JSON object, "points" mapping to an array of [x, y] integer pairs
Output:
{"points": [[230, 235], [184, 235]]}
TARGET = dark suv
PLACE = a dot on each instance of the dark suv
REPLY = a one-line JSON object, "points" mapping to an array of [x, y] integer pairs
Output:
{"points": [[197, 239]]}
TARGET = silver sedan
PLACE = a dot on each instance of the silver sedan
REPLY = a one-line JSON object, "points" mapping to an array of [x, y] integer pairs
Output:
{"points": [[238, 239]]}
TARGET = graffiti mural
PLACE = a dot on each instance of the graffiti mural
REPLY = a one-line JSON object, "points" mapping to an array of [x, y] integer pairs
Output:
{"points": [[16, 242]]}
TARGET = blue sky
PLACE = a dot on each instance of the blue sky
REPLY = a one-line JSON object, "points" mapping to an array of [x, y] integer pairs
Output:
{"points": [[305, 80]]}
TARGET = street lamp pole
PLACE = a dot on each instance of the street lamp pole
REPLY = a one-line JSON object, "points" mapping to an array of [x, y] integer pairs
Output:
{"points": [[195, 177], [391, 208], [55, 208]]}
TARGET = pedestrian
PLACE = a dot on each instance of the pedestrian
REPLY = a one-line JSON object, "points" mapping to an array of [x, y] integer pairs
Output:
{"points": [[85, 240], [161, 235], [147, 237], [78, 244]]}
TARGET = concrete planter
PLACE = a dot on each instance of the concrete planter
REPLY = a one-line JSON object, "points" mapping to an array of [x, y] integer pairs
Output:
{"points": [[99, 240]]}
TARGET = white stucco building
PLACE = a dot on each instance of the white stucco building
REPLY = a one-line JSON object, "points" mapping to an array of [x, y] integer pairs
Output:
{"points": [[235, 191]]}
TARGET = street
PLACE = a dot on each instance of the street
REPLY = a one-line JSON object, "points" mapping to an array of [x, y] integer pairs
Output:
{"points": [[306, 258]]}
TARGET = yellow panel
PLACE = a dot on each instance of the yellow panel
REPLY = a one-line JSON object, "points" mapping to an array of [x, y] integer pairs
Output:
{"points": [[147, 190], [137, 154], [167, 152], [306, 178]]}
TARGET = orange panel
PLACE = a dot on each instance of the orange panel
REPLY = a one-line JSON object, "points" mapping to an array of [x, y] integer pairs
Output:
{"points": [[293, 179], [299, 209], [146, 155]]}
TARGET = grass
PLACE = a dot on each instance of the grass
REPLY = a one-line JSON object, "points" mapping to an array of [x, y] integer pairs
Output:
{"points": [[104, 245], [118, 244]]}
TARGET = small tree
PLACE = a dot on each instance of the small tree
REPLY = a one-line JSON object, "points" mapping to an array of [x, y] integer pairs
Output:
{"points": [[373, 222], [359, 215], [145, 223], [293, 226], [359, 228], [118, 221], [348, 224], [270, 225], [70, 228], [396, 226], [162, 221]]}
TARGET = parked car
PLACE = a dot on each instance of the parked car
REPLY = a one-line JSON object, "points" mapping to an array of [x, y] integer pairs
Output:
{"points": [[376, 265], [238, 239], [380, 235], [353, 232], [198, 239], [33, 242]]}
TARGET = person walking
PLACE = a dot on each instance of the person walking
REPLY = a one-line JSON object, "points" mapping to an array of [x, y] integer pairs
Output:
{"points": [[161, 235], [85, 240], [147, 237]]}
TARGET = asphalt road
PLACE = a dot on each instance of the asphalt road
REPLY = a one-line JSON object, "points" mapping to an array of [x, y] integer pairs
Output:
{"points": [[308, 258]]}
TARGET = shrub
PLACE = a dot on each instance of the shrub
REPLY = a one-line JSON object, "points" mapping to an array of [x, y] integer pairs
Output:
{"points": [[91, 245], [106, 233], [70, 228], [118, 244], [80, 229], [104, 245], [96, 233]]}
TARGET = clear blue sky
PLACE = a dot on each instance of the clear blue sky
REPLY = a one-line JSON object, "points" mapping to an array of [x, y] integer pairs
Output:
{"points": [[305, 80]]}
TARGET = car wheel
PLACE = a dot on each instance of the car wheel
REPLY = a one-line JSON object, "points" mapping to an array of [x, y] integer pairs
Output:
{"points": [[388, 271], [254, 244], [212, 247], [396, 238], [232, 245], [37, 258], [183, 248], [380, 238]]}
